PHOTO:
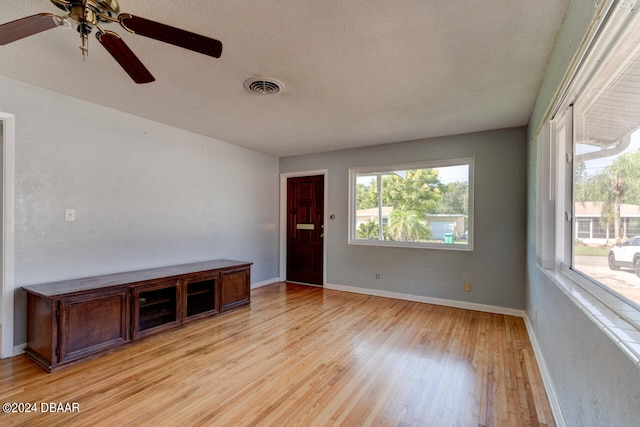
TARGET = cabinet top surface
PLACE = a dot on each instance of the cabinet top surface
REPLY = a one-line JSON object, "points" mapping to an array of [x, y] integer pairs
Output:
{"points": [[71, 286]]}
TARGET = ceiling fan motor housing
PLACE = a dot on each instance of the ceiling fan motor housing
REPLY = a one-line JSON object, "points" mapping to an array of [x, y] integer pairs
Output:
{"points": [[89, 11]]}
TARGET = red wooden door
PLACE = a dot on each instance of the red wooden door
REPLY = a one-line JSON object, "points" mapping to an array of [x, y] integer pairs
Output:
{"points": [[305, 229]]}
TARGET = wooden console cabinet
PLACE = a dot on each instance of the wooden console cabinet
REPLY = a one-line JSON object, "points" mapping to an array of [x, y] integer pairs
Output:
{"points": [[73, 319]]}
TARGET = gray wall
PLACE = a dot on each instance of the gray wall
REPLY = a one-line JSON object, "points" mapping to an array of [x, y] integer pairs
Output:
{"points": [[145, 194], [595, 383], [496, 265]]}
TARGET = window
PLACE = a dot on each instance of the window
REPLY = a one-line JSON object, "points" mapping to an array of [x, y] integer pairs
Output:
{"points": [[583, 228], [594, 165], [607, 169], [423, 205]]}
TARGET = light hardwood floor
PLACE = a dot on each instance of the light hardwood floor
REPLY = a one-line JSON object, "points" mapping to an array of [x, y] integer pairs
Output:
{"points": [[302, 356]]}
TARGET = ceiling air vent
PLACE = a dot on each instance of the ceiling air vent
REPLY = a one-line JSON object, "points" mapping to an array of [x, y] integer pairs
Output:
{"points": [[263, 86]]}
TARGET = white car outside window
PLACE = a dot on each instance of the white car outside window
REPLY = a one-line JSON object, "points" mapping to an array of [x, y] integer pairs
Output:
{"points": [[626, 254]]}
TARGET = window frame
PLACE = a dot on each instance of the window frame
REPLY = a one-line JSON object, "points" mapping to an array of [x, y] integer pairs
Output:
{"points": [[428, 164]]}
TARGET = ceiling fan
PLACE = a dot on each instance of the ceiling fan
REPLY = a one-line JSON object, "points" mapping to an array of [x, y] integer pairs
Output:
{"points": [[84, 15]]}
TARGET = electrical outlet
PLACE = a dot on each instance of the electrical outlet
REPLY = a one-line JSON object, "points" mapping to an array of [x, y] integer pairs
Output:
{"points": [[70, 215], [467, 286], [377, 276]]}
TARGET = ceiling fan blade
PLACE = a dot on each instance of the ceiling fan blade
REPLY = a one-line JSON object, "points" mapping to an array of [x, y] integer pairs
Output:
{"points": [[125, 56], [172, 35], [25, 27]]}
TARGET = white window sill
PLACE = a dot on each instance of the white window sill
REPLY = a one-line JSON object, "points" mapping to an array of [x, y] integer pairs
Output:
{"points": [[614, 317], [396, 244]]}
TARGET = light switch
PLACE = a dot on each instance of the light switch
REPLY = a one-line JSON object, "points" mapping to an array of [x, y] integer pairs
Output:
{"points": [[70, 215]]}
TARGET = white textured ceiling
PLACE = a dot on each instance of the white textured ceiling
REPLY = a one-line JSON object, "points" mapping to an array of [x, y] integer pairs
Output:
{"points": [[356, 72]]}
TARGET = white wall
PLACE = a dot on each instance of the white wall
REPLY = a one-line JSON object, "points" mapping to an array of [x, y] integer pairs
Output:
{"points": [[595, 383], [495, 267], [145, 194]]}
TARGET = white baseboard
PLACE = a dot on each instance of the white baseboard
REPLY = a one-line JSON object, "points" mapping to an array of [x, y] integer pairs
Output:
{"points": [[436, 301], [546, 378], [264, 283], [19, 349]]}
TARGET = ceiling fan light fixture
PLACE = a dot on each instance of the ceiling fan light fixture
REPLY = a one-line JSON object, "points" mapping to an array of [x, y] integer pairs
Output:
{"points": [[263, 85], [65, 22]]}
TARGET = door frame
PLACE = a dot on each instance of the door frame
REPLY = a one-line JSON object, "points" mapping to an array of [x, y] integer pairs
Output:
{"points": [[283, 219], [7, 245]]}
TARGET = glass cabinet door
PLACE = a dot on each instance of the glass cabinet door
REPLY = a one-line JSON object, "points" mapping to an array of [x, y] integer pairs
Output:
{"points": [[155, 306], [201, 296]]}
